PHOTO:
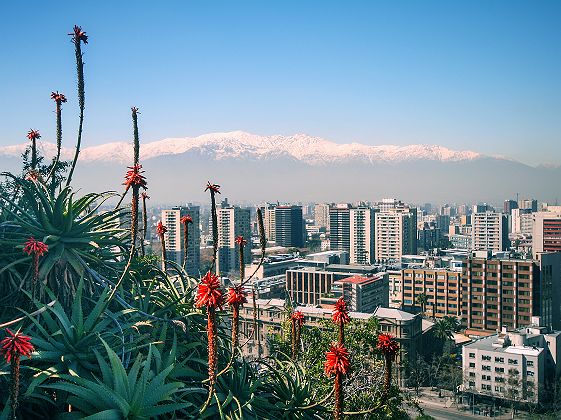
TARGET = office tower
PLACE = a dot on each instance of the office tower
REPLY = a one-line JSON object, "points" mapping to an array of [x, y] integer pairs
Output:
{"points": [[340, 227], [363, 293], [437, 291], [508, 292], [489, 231], [232, 222], [289, 226], [362, 235], [395, 233], [428, 237], [509, 205], [175, 237], [528, 203], [321, 215], [546, 232], [443, 222], [269, 221]]}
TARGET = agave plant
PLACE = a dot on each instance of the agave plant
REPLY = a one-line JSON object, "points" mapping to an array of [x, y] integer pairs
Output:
{"points": [[142, 392], [76, 233]]}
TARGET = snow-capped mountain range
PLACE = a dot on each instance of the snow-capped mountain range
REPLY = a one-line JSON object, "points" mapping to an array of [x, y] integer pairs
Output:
{"points": [[242, 145]]}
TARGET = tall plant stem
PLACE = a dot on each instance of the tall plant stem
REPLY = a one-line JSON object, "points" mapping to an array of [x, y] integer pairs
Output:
{"points": [[14, 386], [338, 390], [81, 103]]}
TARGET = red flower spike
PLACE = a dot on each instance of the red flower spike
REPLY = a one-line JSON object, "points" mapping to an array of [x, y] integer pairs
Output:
{"points": [[340, 312], [33, 135], [212, 187], [240, 240], [160, 228], [337, 360], [387, 344], [15, 346], [209, 293], [186, 219], [35, 247], [134, 177], [78, 35], [298, 317], [58, 97], [236, 296]]}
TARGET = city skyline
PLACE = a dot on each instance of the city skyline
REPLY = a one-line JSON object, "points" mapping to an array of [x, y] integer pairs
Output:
{"points": [[479, 76]]}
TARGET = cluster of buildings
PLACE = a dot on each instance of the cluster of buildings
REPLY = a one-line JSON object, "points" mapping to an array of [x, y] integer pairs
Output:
{"points": [[497, 272]]}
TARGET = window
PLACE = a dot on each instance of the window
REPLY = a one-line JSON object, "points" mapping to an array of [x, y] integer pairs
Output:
{"points": [[472, 365], [499, 359], [486, 358], [471, 383], [499, 379], [485, 367], [512, 361], [530, 373], [500, 370], [486, 377], [472, 374], [486, 387], [530, 363]]}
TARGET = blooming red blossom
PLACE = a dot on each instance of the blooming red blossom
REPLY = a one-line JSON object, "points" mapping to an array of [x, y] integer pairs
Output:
{"points": [[337, 360], [160, 228], [340, 312], [240, 240], [33, 135], [186, 219], [298, 317], [35, 247], [32, 175], [215, 188], [134, 177], [387, 344], [236, 296], [78, 35], [58, 97], [209, 293], [15, 345]]}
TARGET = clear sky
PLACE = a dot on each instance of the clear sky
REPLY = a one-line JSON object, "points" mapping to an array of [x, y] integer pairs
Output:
{"points": [[480, 75]]}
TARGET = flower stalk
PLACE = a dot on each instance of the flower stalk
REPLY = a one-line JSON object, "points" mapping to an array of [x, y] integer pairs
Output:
{"points": [[389, 348], [236, 297], [144, 197], [161, 231], [35, 249], [33, 135], [297, 319], [13, 347], [214, 189], [337, 363], [78, 36], [185, 221], [341, 317], [59, 99], [210, 296]]}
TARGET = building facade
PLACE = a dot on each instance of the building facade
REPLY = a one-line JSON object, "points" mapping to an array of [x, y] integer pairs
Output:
{"points": [[340, 227], [232, 222], [395, 233], [175, 236], [361, 239], [489, 231], [363, 293], [289, 226]]}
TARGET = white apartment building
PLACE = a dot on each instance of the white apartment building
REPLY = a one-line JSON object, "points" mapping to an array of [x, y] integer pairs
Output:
{"points": [[513, 365], [489, 232], [269, 222], [395, 233], [171, 218], [232, 222], [521, 222], [321, 215], [362, 239]]}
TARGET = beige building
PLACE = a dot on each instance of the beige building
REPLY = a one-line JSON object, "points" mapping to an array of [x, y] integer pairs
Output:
{"points": [[489, 232], [362, 235], [321, 215], [395, 233], [174, 236]]}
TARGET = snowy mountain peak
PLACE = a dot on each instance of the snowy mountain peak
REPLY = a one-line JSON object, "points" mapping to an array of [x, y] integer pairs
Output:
{"points": [[243, 145]]}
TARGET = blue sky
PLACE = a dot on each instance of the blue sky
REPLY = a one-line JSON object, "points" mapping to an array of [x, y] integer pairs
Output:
{"points": [[479, 75]]}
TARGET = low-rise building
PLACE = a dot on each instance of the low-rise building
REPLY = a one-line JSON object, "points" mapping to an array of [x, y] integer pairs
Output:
{"points": [[363, 293]]}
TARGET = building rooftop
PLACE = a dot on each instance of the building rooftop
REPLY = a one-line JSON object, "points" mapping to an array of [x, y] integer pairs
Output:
{"points": [[363, 280], [393, 314]]}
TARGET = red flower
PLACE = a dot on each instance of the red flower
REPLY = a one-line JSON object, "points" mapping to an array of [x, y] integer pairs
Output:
{"points": [[209, 293], [15, 346], [340, 312], [35, 247], [160, 228], [32, 175], [58, 97], [78, 35], [212, 187], [134, 177], [387, 344], [236, 296], [240, 240], [337, 360], [298, 317], [186, 219], [33, 135]]}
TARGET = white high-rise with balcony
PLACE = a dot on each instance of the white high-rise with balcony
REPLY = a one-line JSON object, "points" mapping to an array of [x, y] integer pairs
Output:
{"points": [[171, 218], [362, 237]]}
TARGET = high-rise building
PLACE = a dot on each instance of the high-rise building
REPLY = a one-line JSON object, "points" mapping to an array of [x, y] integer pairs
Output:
{"points": [[395, 233], [340, 227], [289, 230], [362, 240], [363, 293], [175, 235], [269, 221], [321, 215], [489, 231], [232, 222], [528, 203], [522, 222], [509, 205], [508, 292], [546, 232]]}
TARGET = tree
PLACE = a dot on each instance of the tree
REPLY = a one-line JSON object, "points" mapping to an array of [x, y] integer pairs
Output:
{"points": [[422, 300]]}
